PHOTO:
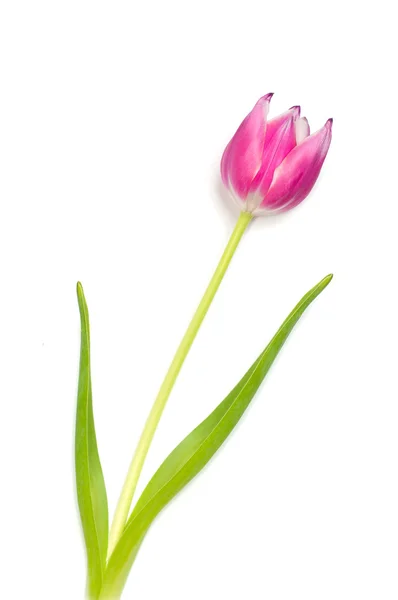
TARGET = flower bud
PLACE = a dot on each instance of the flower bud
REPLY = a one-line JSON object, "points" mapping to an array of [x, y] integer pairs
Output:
{"points": [[270, 166]]}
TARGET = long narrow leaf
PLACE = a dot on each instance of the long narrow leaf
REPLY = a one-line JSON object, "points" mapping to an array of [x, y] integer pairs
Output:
{"points": [[91, 492], [192, 454]]}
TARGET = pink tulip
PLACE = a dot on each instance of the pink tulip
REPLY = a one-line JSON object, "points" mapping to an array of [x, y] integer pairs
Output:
{"points": [[271, 166]]}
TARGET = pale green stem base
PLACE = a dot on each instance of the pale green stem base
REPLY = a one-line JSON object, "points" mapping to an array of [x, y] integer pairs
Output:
{"points": [[126, 497]]}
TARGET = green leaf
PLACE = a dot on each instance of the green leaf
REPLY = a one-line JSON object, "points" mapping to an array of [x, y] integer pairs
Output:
{"points": [[192, 454], [91, 492]]}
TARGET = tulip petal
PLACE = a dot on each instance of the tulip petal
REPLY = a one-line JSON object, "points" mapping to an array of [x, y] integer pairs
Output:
{"points": [[242, 158], [302, 130], [225, 164], [280, 139], [296, 176], [277, 122]]}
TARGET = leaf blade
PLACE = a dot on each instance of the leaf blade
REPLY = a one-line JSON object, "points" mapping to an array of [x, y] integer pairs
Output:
{"points": [[193, 453], [90, 485]]}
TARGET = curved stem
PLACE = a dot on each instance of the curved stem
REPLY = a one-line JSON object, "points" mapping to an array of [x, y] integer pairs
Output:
{"points": [[126, 497]]}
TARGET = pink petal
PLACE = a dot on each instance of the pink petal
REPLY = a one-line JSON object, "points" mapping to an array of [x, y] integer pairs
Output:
{"points": [[302, 130], [296, 176], [242, 158], [225, 165], [280, 139], [275, 123]]}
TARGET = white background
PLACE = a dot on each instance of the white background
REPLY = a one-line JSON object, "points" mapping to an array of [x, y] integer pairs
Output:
{"points": [[113, 119]]}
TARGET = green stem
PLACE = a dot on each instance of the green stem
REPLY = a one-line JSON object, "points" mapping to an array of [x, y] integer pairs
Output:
{"points": [[126, 497]]}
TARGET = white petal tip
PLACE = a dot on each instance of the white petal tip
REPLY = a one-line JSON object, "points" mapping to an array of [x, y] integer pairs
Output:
{"points": [[302, 129]]}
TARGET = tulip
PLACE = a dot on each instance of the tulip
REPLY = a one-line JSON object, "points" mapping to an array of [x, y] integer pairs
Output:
{"points": [[271, 166]]}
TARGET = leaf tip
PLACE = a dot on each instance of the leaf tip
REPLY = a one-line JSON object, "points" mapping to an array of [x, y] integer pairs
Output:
{"points": [[79, 290], [81, 299], [322, 284]]}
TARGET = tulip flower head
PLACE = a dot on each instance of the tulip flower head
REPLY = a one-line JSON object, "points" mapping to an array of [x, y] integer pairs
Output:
{"points": [[271, 166]]}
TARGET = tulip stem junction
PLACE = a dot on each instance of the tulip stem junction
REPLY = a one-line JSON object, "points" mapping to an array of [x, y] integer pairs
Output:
{"points": [[126, 497]]}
